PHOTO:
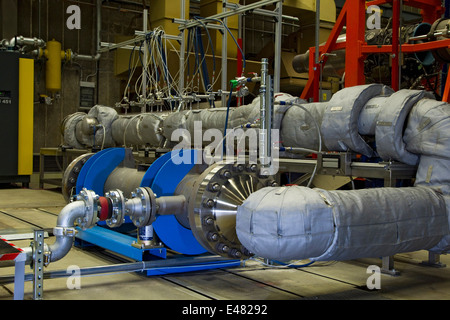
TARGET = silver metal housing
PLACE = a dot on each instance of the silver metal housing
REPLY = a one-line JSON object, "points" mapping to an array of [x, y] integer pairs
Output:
{"points": [[213, 204]]}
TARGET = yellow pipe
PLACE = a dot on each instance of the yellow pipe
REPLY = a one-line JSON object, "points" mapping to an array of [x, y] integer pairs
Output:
{"points": [[53, 66]]}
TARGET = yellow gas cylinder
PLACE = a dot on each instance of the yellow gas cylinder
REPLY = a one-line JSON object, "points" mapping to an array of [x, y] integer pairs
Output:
{"points": [[53, 66]]}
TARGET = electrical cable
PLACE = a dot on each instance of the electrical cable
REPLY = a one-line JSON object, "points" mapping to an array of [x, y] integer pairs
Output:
{"points": [[231, 34], [210, 42]]}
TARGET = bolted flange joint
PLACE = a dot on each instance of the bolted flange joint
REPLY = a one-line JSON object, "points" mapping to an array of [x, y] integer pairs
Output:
{"points": [[142, 207], [90, 199]]}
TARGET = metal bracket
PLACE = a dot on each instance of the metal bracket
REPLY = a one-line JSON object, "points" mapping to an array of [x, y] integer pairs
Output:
{"points": [[338, 163], [38, 265], [66, 232], [434, 260], [388, 266]]}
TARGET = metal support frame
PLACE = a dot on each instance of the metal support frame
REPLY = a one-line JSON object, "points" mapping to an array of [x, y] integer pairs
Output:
{"points": [[234, 9], [353, 14], [19, 276], [434, 260], [144, 67], [224, 83], [8, 252], [116, 242], [382, 170], [227, 11], [150, 268], [182, 46], [387, 266], [38, 265]]}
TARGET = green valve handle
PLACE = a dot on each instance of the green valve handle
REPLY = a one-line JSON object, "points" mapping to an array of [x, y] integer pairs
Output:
{"points": [[234, 83]]}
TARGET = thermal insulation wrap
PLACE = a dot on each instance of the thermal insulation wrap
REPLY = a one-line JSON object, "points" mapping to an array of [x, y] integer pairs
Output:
{"points": [[340, 121], [140, 129], [105, 117], [391, 125], [287, 223]]}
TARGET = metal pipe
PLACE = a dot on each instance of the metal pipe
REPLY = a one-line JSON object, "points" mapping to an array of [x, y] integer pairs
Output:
{"points": [[124, 267], [225, 13], [85, 57], [144, 67], [263, 143], [182, 46], [89, 208], [99, 24], [224, 79], [278, 37], [66, 220], [24, 41], [171, 205], [317, 31], [96, 57]]}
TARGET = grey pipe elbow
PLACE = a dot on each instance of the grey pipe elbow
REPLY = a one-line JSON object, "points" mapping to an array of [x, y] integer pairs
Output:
{"points": [[64, 230]]}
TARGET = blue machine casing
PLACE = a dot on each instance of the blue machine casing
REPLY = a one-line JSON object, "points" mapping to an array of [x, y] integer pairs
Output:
{"points": [[163, 176]]}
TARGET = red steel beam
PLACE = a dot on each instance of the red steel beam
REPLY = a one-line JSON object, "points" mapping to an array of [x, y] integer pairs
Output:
{"points": [[354, 59], [353, 15], [395, 70], [308, 91]]}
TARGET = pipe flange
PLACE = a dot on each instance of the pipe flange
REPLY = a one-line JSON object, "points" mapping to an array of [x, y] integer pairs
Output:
{"points": [[147, 209], [118, 208], [216, 196], [90, 199], [69, 180]]}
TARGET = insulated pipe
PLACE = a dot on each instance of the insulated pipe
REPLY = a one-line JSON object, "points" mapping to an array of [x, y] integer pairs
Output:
{"points": [[290, 223]]}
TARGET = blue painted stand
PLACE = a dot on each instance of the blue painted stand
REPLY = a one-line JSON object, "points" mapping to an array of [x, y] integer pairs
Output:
{"points": [[160, 271], [118, 243], [122, 244]]}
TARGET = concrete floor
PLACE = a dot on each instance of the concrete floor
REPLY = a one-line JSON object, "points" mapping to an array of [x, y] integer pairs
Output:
{"points": [[24, 209]]}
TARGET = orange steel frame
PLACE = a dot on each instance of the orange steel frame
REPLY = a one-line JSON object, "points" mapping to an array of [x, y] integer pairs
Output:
{"points": [[353, 15]]}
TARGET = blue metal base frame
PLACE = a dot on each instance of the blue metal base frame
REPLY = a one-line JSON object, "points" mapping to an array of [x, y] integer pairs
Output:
{"points": [[160, 271], [117, 242], [122, 244]]}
